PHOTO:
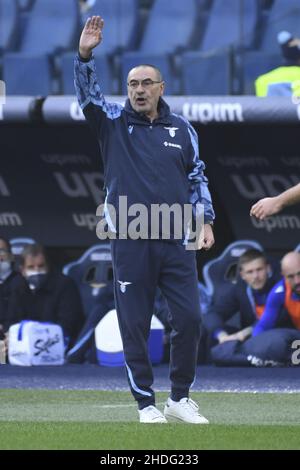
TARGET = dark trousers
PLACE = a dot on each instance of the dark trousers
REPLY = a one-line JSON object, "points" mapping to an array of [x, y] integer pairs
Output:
{"points": [[139, 267], [269, 348]]}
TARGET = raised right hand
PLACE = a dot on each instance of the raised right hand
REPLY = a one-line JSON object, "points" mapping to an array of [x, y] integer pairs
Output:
{"points": [[91, 36]]}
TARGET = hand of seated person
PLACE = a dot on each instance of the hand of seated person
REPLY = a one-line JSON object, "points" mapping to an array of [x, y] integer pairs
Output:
{"points": [[241, 335]]}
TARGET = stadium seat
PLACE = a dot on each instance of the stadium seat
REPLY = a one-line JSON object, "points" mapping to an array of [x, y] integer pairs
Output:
{"points": [[220, 273], [284, 15], [169, 26], [224, 24], [120, 34], [52, 26], [120, 29], [27, 75], [255, 63], [25, 4], [158, 44], [8, 24], [204, 4], [67, 72], [130, 60], [103, 72], [89, 272], [204, 74], [205, 298]]}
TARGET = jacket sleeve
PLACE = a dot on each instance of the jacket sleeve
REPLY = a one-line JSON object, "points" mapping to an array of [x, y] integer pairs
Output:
{"points": [[271, 313], [17, 307], [98, 112], [199, 192]]}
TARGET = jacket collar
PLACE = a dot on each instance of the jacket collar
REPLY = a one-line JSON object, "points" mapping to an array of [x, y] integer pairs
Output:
{"points": [[164, 115], [9, 277]]}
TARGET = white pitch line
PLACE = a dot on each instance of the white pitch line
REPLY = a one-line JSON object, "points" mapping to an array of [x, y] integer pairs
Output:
{"points": [[275, 390], [123, 405]]}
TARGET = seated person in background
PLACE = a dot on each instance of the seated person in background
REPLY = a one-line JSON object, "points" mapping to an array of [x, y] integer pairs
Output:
{"points": [[284, 80], [248, 297], [283, 302], [9, 281], [46, 295]]}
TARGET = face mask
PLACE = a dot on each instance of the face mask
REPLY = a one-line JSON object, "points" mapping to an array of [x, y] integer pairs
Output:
{"points": [[35, 279], [5, 269]]}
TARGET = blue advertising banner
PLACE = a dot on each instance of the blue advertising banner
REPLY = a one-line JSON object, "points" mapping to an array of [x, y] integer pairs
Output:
{"points": [[51, 182], [247, 164]]}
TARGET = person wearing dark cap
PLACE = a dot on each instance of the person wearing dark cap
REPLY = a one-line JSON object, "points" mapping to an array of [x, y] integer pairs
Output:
{"points": [[285, 79]]}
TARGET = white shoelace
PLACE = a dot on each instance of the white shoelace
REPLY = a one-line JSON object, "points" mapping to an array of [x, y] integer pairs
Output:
{"points": [[191, 406], [154, 411]]}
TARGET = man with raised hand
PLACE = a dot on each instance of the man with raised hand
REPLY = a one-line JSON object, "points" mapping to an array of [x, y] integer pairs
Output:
{"points": [[150, 156]]}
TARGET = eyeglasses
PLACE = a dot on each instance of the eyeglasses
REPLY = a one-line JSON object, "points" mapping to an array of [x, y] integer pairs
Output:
{"points": [[146, 83]]}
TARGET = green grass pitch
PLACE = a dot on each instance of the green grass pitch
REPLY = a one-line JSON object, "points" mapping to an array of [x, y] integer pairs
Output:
{"points": [[50, 419]]}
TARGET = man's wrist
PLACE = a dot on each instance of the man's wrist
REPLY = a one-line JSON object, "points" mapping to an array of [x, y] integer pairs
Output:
{"points": [[280, 202], [84, 55]]}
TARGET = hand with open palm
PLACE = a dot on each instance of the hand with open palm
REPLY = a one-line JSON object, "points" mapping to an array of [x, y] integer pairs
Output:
{"points": [[91, 36]]}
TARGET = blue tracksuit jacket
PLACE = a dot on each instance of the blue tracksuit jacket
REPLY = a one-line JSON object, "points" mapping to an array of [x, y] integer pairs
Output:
{"points": [[150, 163]]}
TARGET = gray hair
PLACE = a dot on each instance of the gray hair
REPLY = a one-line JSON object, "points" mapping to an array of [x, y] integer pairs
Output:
{"points": [[158, 72]]}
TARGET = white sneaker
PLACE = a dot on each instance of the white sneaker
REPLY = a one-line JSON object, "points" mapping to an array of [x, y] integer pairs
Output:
{"points": [[185, 411], [151, 414]]}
